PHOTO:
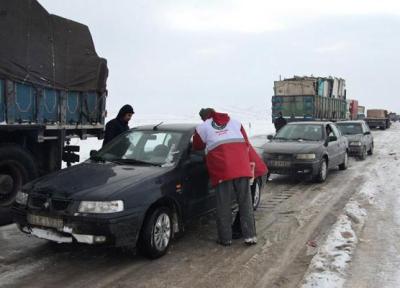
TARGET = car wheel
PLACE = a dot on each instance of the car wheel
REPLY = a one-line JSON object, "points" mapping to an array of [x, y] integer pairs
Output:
{"points": [[345, 163], [371, 150], [363, 153], [156, 234], [323, 171], [256, 193]]}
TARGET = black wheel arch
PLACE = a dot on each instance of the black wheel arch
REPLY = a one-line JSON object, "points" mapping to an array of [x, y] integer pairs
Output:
{"points": [[176, 216]]}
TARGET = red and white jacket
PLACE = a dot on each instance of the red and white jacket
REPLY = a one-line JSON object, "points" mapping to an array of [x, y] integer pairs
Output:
{"points": [[226, 146]]}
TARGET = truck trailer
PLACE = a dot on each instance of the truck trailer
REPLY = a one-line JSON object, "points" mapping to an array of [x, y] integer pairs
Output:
{"points": [[52, 89], [378, 118], [310, 98]]}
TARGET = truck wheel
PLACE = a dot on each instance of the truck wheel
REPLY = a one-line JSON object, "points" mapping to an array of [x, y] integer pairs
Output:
{"points": [[345, 163], [17, 166], [371, 150], [363, 153], [323, 171], [256, 193], [383, 127], [156, 234]]}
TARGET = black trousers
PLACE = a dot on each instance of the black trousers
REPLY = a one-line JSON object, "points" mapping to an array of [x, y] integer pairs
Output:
{"points": [[240, 189]]}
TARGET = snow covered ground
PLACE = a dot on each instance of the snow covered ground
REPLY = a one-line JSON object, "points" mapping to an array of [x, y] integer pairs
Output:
{"points": [[362, 248]]}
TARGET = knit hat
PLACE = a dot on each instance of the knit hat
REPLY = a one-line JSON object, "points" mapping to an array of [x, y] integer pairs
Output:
{"points": [[125, 110], [206, 113]]}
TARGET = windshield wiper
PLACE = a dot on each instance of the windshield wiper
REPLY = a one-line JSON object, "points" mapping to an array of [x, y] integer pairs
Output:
{"points": [[304, 139], [133, 161]]}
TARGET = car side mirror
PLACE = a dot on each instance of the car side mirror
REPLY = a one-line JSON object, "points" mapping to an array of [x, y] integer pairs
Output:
{"points": [[270, 137], [367, 133], [93, 153], [332, 138]]}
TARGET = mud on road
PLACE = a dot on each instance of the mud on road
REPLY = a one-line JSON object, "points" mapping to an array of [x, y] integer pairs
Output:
{"points": [[291, 214]]}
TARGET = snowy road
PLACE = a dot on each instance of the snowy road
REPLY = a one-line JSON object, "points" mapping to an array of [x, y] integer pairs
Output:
{"points": [[294, 218]]}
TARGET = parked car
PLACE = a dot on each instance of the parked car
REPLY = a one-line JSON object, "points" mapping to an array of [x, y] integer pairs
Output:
{"points": [[140, 190], [307, 149], [361, 141]]}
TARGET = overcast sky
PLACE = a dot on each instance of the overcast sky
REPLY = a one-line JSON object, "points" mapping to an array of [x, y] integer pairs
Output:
{"points": [[177, 56]]}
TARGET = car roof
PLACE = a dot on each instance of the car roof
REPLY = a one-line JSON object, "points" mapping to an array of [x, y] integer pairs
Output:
{"points": [[311, 122], [178, 127], [351, 121]]}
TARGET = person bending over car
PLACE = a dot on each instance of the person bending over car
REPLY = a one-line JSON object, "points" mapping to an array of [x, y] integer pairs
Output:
{"points": [[119, 124], [227, 157]]}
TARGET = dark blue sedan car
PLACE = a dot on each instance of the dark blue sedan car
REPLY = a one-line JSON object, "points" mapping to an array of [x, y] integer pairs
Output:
{"points": [[140, 190]]}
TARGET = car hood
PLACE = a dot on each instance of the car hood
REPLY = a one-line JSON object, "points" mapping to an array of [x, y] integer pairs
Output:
{"points": [[356, 137], [292, 147], [95, 181]]}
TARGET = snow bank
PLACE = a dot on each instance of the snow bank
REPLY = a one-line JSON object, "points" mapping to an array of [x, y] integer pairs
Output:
{"points": [[328, 267]]}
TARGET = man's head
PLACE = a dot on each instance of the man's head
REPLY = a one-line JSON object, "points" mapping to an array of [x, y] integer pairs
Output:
{"points": [[206, 113], [280, 114], [125, 113]]}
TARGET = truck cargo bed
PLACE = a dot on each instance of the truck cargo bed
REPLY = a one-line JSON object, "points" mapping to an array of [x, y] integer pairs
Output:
{"points": [[308, 107], [24, 105]]}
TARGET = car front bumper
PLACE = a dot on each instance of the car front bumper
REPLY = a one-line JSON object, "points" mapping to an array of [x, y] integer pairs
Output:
{"points": [[310, 168], [355, 150], [119, 232]]}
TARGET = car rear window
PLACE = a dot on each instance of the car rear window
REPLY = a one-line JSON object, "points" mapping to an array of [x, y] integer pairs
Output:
{"points": [[350, 128]]}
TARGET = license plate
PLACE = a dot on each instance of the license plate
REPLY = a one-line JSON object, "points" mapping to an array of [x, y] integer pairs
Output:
{"points": [[280, 163], [45, 221]]}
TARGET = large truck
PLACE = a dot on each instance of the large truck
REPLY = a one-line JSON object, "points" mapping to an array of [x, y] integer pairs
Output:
{"points": [[52, 89], [352, 106], [393, 117], [378, 118], [310, 98], [361, 112]]}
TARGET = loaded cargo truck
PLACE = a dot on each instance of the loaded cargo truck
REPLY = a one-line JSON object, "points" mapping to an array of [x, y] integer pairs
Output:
{"points": [[361, 113], [393, 117], [310, 98], [353, 109], [52, 89], [378, 118]]}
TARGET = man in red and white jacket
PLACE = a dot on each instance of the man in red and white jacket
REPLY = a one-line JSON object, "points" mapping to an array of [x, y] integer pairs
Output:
{"points": [[227, 157]]}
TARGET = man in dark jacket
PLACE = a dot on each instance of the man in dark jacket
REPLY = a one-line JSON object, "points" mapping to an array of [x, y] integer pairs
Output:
{"points": [[279, 122], [119, 124]]}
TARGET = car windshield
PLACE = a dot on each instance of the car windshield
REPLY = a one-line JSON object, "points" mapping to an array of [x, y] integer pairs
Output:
{"points": [[350, 128], [143, 147], [306, 132]]}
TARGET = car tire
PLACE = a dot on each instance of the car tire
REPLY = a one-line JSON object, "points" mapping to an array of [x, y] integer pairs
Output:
{"points": [[256, 193], [17, 166], [345, 163], [383, 127], [363, 155], [371, 150], [157, 233], [322, 172]]}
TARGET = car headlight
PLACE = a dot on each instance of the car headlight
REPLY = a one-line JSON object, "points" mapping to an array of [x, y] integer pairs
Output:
{"points": [[101, 207], [21, 198], [355, 143], [309, 156]]}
